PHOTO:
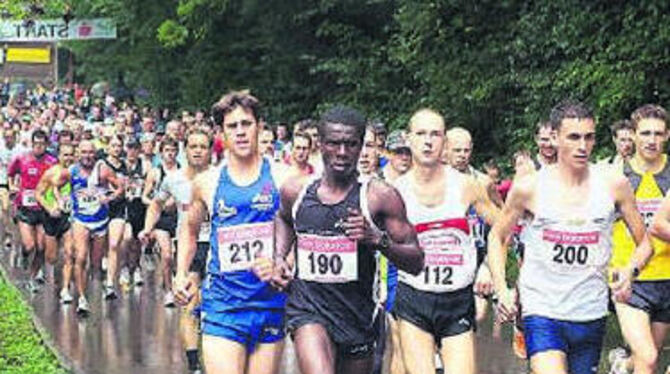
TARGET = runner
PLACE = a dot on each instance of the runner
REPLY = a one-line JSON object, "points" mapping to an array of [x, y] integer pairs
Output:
{"points": [[117, 214], [368, 160], [563, 281], [57, 216], [242, 315], [8, 151], [400, 161], [645, 318], [298, 166], [137, 174], [622, 136], [436, 308], [335, 221], [163, 230], [24, 174], [178, 186], [91, 181], [546, 150]]}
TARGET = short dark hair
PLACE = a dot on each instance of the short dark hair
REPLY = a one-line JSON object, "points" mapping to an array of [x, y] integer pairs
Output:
{"points": [[622, 124], [542, 125], [168, 141], [38, 134], [648, 111], [230, 101], [568, 108], [65, 134], [491, 164], [343, 115]]}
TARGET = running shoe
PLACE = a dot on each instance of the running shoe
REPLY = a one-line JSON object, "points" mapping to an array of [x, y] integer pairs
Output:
{"points": [[8, 244], [103, 265], [65, 296], [108, 292], [618, 359], [168, 300], [124, 277], [33, 286], [40, 276], [137, 277], [82, 306], [519, 344]]}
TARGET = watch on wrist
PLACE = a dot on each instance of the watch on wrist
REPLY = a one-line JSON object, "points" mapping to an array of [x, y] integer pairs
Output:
{"points": [[635, 271], [385, 240]]}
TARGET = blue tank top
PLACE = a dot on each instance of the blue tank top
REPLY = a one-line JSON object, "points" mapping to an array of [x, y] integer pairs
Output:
{"points": [[242, 228], [86, 193]]}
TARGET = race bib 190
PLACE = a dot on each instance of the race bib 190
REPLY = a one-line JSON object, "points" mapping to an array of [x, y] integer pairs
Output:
{"points": [[239, 245], [327, 259]]}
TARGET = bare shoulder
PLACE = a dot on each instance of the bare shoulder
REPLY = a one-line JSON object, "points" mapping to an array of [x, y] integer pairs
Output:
{"points": [[206, 181], [383, 197]]}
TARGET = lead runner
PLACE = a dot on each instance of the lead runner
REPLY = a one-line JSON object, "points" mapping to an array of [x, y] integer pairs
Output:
{"points": [[330, 228]]}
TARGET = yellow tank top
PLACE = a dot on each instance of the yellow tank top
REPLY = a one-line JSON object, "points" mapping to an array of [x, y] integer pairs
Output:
{"points": [[648, 195]]}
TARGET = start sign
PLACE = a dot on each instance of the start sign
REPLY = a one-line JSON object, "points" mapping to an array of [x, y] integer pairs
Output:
{"points": [[56, 29]]}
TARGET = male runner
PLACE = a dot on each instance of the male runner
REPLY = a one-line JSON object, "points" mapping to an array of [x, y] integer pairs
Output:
{"points": [[645, 318], [400, 161], [24, 174], [436, 307], [368, 160], [337, 223], [57, 216], [165, 229], [137, 174], [622, 136], [243, 316], [563, 281], [9, 149], [91, 181], [178, 186], [299, 166], [546, 150], [117, 213]]}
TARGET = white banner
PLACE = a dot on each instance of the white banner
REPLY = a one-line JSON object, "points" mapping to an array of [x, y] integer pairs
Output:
{"points": [[51, 30]]}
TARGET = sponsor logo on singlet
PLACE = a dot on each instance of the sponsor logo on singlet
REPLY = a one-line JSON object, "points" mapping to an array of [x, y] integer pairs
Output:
{"points": [[225, 211], [264, 199]]}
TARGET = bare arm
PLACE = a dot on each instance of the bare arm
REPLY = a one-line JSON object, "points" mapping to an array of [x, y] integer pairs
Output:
{"points": [[109, 176], [388, 208], [660, 227], [284, 234], [43, 187], [482, 203], [625, 200], [149, 186], [155, 208]]}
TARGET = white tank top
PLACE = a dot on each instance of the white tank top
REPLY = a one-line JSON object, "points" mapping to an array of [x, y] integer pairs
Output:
{"points": [[444, 236], [567, 251]]}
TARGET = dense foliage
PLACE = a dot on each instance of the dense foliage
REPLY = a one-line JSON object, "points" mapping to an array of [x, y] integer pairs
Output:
{"points": [[493, 66]]}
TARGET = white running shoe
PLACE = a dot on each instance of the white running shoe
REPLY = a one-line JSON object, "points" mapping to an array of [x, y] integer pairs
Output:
{"points": [[33, 286], [168, 300], [618, 360], [39, 277], [103, 265], [65, 296], [82, 305], [137, 277], [108, 292], [124, 277]]}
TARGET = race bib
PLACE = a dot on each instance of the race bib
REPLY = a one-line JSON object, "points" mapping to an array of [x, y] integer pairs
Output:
{"points": [[240, 245], [327, 259], [28, 199], [88, 201], [648, 208], [567, 251], [450, 256]]}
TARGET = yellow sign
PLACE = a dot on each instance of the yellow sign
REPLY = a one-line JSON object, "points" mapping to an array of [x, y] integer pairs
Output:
{"points": [[30, 55]]}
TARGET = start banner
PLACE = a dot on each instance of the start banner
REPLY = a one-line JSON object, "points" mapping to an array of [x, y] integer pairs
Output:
{"points": [[51, 30]]}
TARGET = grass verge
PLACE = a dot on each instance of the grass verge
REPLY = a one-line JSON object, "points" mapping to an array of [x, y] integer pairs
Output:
{"points": [[21, 348]]}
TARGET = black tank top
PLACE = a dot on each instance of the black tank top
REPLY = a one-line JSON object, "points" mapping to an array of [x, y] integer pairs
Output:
{"points": [[345, 305], [120, 171]]}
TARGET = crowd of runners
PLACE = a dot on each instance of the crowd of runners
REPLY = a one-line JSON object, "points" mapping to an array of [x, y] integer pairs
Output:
{"points": [[356, 243]]}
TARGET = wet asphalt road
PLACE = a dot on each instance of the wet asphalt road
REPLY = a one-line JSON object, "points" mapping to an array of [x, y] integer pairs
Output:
{"points": [[137, 334]]}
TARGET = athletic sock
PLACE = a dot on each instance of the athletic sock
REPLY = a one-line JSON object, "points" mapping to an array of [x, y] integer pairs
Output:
{"points": [[192, 358]]}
